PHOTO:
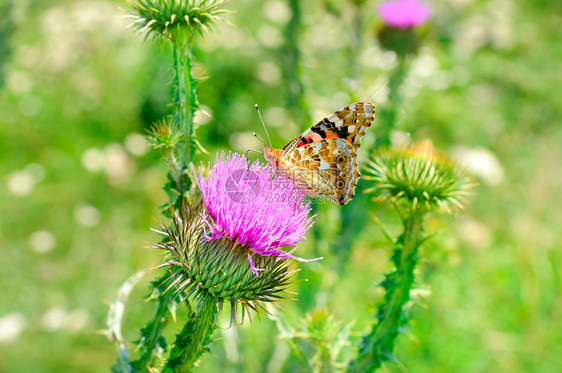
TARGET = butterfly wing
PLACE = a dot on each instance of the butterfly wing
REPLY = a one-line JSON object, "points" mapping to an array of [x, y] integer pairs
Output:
{"points": [[322, 161], [325, 169], [348, 123]]}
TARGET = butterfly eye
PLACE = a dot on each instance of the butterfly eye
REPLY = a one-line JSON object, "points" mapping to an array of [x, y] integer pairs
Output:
{"points": [[340, 184], [340, 159]]}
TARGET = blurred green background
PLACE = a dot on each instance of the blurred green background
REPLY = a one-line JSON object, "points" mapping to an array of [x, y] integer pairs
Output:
{"points": [[79, 187]]}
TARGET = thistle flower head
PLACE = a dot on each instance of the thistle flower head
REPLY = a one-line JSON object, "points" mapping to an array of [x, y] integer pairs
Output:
{"points": [[399, 18], [247, 205], [218, 271], [173, 19], [240, 227], [419, 176], [404, 13]]}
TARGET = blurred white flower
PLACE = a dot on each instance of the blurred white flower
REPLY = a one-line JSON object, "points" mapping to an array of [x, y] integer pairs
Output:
{"points": [[69, 31], [324, 35], [340, 99], [481, 162], [276, 116], [11, 326], [270, 36], [42, 241], [19, 82], [400, 138], [57, 318], [136, 144], [493, 25], [376, 57], [20, 183], [93, 159], [276, 11], [475, 233], [87, 215], [241, 141], [119, 166], [268, 72], [424, 72], [77, 320], [53, 319], [439, 81]]}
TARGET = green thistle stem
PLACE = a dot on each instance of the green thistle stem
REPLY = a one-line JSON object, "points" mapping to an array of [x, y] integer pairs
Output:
{"points": [[174, 167], [179, 92], [191, 105], [388, 115], [192, 341], [291, 55], [185, 102], [151, 334], [378, 345]]}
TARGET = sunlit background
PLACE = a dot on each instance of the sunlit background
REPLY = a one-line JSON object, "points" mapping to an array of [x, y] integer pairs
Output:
{"points": [[79, 187]]}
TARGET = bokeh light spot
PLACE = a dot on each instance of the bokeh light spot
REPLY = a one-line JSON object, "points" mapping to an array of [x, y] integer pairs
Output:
{"points": [[42, 241]]}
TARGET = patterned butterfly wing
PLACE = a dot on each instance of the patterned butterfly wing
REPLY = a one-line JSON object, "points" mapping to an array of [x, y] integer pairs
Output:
{"points": [[325, 169], [349, 123], [322, 161]]}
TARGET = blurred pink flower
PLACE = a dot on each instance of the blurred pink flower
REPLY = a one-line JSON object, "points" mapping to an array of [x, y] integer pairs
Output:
{"points": [[404, 13]]}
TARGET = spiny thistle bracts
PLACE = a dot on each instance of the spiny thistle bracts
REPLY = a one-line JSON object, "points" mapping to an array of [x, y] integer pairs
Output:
{"points": [[420, 176], [218, 270], [176, 19]]}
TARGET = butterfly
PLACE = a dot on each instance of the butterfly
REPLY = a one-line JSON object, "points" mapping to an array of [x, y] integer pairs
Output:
{"points": [[322, 161]]}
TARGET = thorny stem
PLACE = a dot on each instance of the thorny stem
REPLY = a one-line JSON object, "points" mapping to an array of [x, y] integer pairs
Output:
{"points": [[152, 332], [191, 105], [185, 98], [193, 339], [173, 167], [378, 345]]}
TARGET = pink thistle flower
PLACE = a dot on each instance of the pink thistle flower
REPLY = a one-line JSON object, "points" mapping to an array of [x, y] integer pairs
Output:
{"points": [[248, 205], [404, 13]]}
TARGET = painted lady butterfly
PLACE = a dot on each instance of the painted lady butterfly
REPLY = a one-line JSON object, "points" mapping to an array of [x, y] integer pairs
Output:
{"points": [[322, 161]]}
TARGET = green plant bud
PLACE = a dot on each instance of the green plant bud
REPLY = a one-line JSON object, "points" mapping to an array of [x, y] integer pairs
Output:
{"points": [[175, 19], [403, 41], [419, 176], [165, 134]]}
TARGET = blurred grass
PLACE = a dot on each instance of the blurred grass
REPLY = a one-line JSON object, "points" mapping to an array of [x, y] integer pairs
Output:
{"points": [[77, 85]]}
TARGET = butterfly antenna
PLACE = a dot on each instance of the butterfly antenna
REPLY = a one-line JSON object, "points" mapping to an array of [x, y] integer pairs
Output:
{"points": [[257, 137], [264, 127], [253, 151]]}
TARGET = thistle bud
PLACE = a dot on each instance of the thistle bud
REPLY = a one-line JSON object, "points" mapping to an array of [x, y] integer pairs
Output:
{"points": [[173, 19], [419, 176]]}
